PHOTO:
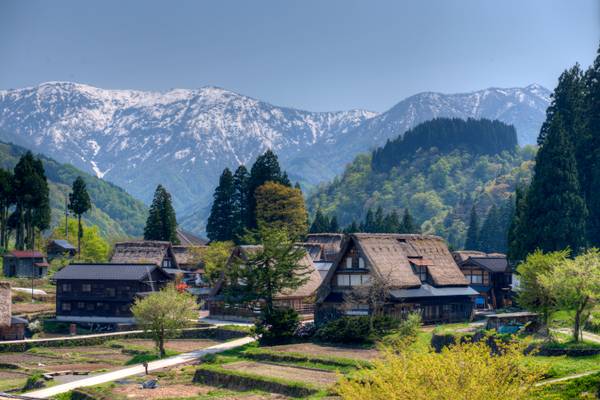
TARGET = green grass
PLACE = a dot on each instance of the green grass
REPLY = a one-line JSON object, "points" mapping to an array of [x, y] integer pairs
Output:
{"points": [[148, 357], [560, 366], [567, 390], [11, 384]]}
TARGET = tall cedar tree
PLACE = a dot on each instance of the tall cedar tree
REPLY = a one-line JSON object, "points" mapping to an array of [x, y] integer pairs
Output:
{"points": [[320, 224], [266, 168], [79, 203], [408, 223], [516, 250], [6, 201], [472, 241], [334, 227], [281, 207], [162, 221], [32, 211], [590, 149], [220, 226], [555, 211], [241, 214]]}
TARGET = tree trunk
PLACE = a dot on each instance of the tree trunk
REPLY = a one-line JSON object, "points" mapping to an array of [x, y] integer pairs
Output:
{"points": [[577, 326], [79, 236], [161, 344]]}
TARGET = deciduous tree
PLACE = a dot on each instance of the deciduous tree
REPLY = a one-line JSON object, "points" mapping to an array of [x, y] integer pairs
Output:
{"points": [[281, 207]]}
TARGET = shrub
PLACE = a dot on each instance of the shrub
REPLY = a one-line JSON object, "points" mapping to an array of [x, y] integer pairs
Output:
{"points": [[345, 330], [278, 326], [34, 381], [306, 330]]}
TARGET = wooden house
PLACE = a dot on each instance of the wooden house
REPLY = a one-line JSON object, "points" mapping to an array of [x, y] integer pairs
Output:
{"points": [[59, 248], [145, 252], [300, 299], [188, 257], [414, 273], [104, 293], [25, 264], [489, 274], [11, 327], [326, 246]]}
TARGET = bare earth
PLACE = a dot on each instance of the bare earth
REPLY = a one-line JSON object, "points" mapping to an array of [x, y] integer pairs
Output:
{"points": [[319, 350], [176, 391], [321, 378], [180, 345]]}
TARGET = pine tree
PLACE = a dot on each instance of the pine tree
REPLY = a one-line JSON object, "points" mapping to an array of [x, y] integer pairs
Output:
{"points": [[368, 224], [241, 214], [379, 223], [320, 224], [266, 168], [333, 225], [408, 224], [79, 203], [221, 226], [472, 241], [393, 223], [488, 235], [162, 221], [555, 210], [517, 230], [352, 228], [589, 155], [6, 201]]}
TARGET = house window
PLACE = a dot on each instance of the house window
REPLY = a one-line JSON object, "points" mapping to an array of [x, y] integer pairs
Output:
{"points": [[352, 279], [81, 305], [66, 306], [86, 287], [421, 272], [349, 262], [166, 263], [355, 280], [361, 263], [66, 287], [89, 306], [111, 292], [343, 280]]}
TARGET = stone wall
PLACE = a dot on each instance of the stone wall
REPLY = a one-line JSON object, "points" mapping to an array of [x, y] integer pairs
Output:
{"points": [[5, 304]]}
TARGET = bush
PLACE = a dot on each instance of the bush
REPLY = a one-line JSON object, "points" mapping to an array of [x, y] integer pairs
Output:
{"points": [[35, 381], [306, 330], [277, 327], [345, 330]]}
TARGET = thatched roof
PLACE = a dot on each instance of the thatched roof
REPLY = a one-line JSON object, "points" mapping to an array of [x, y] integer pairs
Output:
{"points": [[308, 289], [331, 244], [391, 257], [141, 252], [5, 304], [493, 262], [189, 239], [188, 256]]}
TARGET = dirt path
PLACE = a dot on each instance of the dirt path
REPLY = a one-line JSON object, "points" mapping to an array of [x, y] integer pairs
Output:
{"points": [[566, 378], [313, 376], [333, 351]]}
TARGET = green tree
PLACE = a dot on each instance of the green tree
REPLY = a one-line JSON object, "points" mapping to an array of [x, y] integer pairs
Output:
{"points": [[6, 201], [32, 200], [352, 228], [220, 226], [532, 293], [79, 203], [408, 223], [575, 286], [273, 268], [241, 198], [281, 207], [164, 314], [215, 258], [518, 228], [320, 223], [472, 241], [589, 149], [555, 210], [162, 221], [334, 227], [94, 248], [265, 169], [492, 235]]}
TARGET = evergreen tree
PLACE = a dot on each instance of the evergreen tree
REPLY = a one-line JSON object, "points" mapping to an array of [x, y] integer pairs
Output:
{"points": [[6, 201], [31, 194], [555, 210], [369, 223], [320, 224], [352, 228], [162, 221], [408, 224], [392, 223], [221, 224], [472, 241], [517, 230], [241, 214], [490, 230], [379, 224], [79, 203], [266, 168], [333, 225], [589, 155]]}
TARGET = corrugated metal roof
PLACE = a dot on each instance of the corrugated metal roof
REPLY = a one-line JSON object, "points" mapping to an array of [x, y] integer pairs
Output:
{"points": [[105, 272], [64, 244], [430, 291]]}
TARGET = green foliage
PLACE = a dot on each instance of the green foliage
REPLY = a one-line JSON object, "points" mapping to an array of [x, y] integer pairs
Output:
{"points": [[163, 314], [356, 329], [162, 222], [94, 248], [241, 199], [277, 327], [582, 388], [320, 223], [413, 183], [472, 241], [7, 199], [268, 270], [115, 212], [281, 207], [79, 203], [215, 258], [221, 223]]}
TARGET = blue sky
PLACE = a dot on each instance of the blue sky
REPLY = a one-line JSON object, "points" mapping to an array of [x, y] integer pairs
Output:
{"points": [[317, 55]]}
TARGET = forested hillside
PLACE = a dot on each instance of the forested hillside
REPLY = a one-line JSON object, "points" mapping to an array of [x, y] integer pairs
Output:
{"points": [[438, 171], [114, 211]]}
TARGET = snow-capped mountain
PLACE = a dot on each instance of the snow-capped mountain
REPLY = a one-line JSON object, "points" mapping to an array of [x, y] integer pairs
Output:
{"points": [[184, 138]]}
